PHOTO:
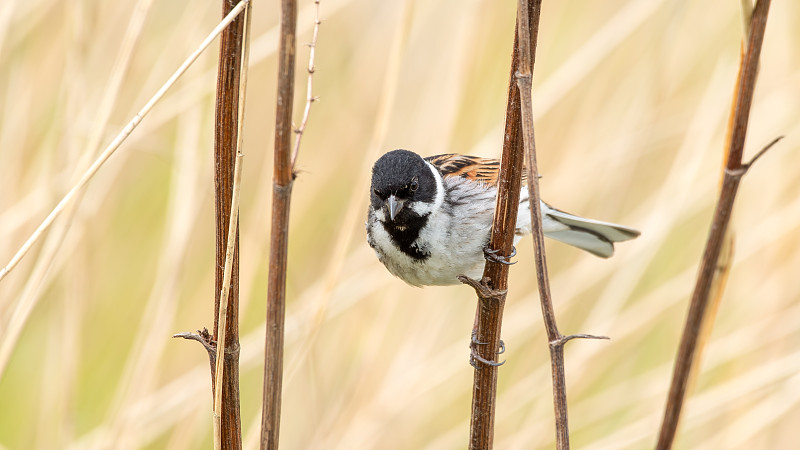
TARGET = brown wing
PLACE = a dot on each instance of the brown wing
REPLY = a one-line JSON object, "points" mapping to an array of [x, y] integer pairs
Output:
{"points": [[473, 168]]}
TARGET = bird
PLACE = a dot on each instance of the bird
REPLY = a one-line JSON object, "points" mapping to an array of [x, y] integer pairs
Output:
{"points": [[429, 219]]}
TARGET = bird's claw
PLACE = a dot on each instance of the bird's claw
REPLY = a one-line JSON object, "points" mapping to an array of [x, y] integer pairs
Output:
{"points": [[492, 255], [475, 358]]}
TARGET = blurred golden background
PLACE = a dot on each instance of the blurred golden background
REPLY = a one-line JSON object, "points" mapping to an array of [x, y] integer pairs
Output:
{"points": [[631, 100]]}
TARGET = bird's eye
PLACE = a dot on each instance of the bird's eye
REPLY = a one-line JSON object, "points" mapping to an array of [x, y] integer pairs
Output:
{"points": [[414, 184], [380, 194]]}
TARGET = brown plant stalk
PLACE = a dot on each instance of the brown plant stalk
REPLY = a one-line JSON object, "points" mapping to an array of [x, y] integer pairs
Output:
{"points": [[231, 246], [491, 290], [527, 43], [283, 178], [231, 81], [226, 143], [734, 170]]}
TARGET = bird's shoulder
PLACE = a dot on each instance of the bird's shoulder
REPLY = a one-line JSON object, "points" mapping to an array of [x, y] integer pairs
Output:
{"points": [[470, 168]]}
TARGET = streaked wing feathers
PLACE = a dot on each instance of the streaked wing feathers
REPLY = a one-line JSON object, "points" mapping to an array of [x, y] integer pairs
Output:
{"points": [[473, 168]]}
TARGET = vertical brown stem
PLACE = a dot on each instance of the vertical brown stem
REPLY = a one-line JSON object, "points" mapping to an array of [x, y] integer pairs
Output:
{"points": [[225, 143], [734, 170], [495, 276], [281, 196], [524, 80]]}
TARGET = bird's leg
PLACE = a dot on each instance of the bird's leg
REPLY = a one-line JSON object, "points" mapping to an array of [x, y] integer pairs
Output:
{"points": [[492, 255], [484, 293]]}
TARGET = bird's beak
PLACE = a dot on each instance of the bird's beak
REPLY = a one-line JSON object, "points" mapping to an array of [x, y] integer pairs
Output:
{"points": [[395, 206]]}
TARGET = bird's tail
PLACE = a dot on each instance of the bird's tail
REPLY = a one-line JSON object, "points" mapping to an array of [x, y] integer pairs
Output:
{"points": [[594, 236]]}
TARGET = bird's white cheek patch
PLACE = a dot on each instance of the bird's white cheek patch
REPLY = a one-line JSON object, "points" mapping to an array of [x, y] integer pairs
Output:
{"points": [[439, 186], [423, 208]]}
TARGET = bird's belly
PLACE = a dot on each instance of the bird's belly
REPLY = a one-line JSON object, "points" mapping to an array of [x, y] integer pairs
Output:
{"points": [[434, 271]]}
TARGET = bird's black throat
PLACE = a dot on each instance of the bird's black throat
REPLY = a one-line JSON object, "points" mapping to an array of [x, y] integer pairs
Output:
{"points": [[404, 233]]}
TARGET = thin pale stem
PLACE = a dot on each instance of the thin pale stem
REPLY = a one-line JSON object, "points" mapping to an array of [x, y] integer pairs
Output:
{"points": [[310, 99], [118, 140], [746, 7]]}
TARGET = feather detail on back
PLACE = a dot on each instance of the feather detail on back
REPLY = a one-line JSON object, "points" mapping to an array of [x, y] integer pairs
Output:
{"points": [[473, 168]]}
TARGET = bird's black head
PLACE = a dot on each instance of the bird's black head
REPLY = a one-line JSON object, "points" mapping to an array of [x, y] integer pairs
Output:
{"points": [[401, 179]]}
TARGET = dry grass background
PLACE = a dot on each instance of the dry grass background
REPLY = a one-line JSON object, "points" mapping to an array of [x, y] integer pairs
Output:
{"points": [[631, 99]]}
